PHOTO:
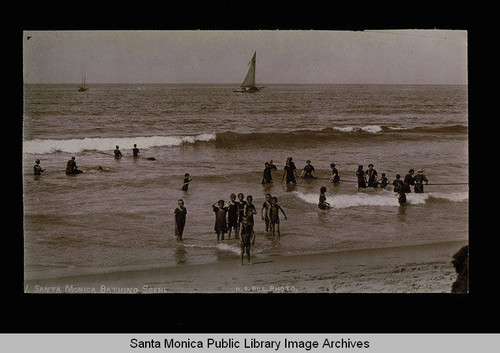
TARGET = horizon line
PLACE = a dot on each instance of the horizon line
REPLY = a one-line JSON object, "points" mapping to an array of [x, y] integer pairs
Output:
{"points": [[237, 83]]}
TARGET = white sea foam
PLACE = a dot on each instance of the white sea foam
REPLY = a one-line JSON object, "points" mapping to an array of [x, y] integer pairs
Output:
{"points": [[385, 198], [454, 196], [369, 128], [109, 143], [228, 247]]}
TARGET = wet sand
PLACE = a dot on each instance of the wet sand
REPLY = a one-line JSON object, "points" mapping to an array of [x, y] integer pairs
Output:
{"points": [[408, 269]]}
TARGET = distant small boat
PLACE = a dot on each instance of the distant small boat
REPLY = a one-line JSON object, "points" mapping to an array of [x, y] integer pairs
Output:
{"points": [[248, 84], [82, 87]]}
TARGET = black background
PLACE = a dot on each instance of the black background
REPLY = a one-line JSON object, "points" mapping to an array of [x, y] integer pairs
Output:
{"points": [[242, 313]]}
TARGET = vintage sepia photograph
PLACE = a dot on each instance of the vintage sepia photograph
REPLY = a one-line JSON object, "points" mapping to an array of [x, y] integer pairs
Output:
{"points": [[245, 161]]}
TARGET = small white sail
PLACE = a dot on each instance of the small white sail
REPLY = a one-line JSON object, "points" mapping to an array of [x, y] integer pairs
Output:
{"points": [[249, 81]]}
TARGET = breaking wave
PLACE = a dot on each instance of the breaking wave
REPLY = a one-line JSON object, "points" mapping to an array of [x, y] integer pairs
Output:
{"points": [[385, 198], [229, 139], [344, 133], [109, 143]]}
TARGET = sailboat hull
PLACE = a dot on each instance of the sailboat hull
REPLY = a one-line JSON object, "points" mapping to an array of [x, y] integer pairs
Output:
{"points": [[248, 90]]}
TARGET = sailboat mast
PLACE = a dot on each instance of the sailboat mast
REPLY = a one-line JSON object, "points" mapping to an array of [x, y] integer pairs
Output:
{"points": [[254, 65]]}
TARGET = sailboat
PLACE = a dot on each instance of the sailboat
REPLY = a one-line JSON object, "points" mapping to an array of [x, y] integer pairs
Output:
{"points": [[82, 87], [248, 84]]}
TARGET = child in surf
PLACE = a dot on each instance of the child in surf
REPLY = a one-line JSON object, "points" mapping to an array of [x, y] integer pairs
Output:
{"points": [[402, 197], [220, 219], [37, 169], [264, 212], [250, 211], [185, 185], [323, 205], [335, 178], [274, 216], [398, 183], [180, 219], [232, 216], [247, 238], [240, 207], [383, 181]]}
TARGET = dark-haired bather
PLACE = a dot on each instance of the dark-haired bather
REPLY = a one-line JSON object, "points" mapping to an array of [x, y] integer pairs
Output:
{"points": [[372, 176], [398, 183], [264, 212], [419, 181], [409, 180], [360, 173], [308, 170], [71, 167], [180, 219], [232, 216], [240, 207], [290, 172], [274, 216], [267, 177], [401, 197], [335, 178], [322, 204], [220, 219], [37, 169], [247, 240]]}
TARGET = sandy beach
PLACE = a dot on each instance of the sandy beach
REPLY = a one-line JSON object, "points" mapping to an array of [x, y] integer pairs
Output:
{"points": [[407, 269]]}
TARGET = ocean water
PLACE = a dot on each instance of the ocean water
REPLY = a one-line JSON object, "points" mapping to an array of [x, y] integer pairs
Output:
{"points": [[121, 217]]}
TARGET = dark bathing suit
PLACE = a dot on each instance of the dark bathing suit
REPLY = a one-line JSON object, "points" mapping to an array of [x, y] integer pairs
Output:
{"points": [[402, 198], [372, 177], [220, 219], [308, 170], [290, 176], [409, 180], [267, 178], [246, 233], [266, 205], [241, 210], [186, 184], [37, 170], [322, 200], [71, 167], [180, 221], [335, 174], [273, 213], [398, 185], [361, 179], [232, 216], [419, 183], [384, 182], [250, 215]]}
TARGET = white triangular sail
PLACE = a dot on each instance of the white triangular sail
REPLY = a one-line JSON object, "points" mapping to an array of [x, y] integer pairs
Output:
{"points": [[249, 81]]}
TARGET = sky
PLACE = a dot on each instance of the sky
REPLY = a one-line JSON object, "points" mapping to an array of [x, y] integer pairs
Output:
{"points": [[288, 57]]}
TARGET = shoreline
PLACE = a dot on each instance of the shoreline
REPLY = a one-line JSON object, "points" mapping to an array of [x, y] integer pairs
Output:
{"points": [[423, 268]]}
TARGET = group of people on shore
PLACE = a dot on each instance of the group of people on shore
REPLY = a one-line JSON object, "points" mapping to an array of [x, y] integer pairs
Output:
{"points": [[238, 216]]}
